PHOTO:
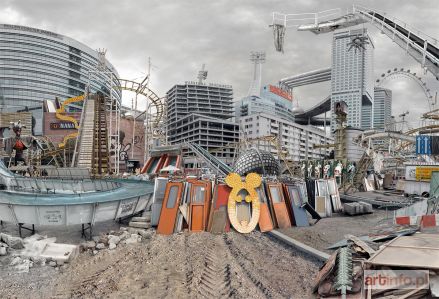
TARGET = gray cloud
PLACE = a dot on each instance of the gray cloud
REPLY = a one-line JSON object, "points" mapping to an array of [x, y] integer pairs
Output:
{"points": [[181, 35]]}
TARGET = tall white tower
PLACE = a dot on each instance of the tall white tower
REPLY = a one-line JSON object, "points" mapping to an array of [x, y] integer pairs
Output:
{"points": [[352, 78], [258, 58]]}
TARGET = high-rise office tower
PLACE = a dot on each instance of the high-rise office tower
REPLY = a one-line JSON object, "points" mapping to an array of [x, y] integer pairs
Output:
{"points": [[352, 78], [382, 109]]}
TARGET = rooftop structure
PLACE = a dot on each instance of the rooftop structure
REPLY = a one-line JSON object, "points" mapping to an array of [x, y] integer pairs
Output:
{"points": [[272, 100], [202, 113]]}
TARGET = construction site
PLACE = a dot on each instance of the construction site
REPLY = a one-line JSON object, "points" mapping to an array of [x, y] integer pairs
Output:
{"points": [[195, 194]]}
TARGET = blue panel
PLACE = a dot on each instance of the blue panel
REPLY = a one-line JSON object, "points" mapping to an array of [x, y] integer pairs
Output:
{"points": [[418, 144]]}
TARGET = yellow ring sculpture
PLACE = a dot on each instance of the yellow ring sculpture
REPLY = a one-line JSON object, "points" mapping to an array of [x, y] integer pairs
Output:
{"points": [[252, 181]]}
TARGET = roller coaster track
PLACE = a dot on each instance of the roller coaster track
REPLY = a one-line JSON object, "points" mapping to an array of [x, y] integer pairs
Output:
{"points": [[138, 88], [422, 47], [142, 89]]}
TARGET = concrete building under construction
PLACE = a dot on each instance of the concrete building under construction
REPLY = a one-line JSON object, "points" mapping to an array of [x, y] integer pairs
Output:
{"points": [[202, 113]]}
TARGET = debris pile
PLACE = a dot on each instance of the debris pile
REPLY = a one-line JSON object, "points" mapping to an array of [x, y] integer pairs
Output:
{"points": [[22, 254], [125, 235], [405, 267]]}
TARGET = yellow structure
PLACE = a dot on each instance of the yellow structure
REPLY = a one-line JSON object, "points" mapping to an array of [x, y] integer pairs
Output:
{"points": [[252, 181], [60, 114]]}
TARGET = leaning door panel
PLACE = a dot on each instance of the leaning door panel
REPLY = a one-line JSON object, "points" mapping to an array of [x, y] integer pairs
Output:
{"points": [[199, 206], [170, 206], [265, 221], [279, 206]]}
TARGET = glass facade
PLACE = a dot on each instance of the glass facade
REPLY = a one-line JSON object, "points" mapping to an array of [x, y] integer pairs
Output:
{"points": [[352, 78], [38, 65]]}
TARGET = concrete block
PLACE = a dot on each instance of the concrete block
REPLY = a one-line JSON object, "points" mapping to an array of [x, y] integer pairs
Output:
{"points": [[141, 219], [100, 246], [13, 242], [112, 246], [350, 208], [113, 240], [139, 224], [367, 207], [60, 252]]}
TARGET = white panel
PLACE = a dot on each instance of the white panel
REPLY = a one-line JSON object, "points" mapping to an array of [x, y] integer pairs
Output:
{"points": [[143, 202], [106, 211], [52, 215], [26, 214], [126, 207], [6, 213], [79, 214]]}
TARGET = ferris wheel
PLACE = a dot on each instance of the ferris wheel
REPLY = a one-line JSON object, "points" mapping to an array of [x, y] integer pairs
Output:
{"points": [[401, 73]]}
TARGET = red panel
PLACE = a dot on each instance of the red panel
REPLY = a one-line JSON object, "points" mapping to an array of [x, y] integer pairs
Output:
{"points": [[403, 220], [147, 164], [428, 220]]}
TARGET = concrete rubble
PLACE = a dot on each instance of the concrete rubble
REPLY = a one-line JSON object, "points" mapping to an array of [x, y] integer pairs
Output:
{"points": [[34, 250], [125, 235]]}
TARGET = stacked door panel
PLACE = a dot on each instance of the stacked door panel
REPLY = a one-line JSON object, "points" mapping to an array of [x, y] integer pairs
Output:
{"points": [[171, 203]]}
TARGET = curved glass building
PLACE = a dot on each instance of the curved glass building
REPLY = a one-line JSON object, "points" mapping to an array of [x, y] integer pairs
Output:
{"points": [[38, 65]]}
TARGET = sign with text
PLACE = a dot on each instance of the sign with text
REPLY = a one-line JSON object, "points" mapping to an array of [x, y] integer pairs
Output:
{"points": [[280, 92], [62, 125]]}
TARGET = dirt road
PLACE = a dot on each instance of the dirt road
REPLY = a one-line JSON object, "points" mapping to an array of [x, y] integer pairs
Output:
{"points": [[187, 265]]}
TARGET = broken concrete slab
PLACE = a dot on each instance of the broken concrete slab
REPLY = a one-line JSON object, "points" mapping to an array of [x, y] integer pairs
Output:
{"points": [[60, 252], [13, 242], [3, 251], [33, 247], [112, 246]]}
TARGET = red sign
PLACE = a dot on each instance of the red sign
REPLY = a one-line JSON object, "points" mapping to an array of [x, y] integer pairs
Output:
{"points": [[280, 92]]}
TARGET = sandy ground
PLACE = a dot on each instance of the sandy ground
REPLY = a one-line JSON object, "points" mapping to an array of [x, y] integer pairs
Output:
{"points": [[184, 265], [331, 230]]}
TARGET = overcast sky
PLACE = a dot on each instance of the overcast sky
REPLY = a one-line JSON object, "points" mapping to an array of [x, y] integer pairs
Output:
{"points": [[181, 35]]}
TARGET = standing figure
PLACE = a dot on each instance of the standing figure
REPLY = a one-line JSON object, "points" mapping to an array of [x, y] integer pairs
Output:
{"points": [[317, 170], [303, 170], [326, 171], [18, 143]]}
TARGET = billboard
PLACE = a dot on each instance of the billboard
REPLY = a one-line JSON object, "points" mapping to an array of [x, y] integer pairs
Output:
{"points": [[280, 92]]}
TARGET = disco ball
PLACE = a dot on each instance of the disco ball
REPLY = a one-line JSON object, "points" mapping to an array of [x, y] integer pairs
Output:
{"points": [[254, 160]]}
